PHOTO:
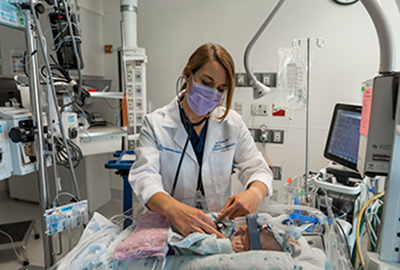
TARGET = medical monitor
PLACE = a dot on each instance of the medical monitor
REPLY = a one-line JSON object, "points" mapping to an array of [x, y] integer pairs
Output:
{"points": [[344, 135]]}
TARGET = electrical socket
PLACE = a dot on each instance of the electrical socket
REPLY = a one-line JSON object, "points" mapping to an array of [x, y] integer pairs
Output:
{"points": [[277, 171], [139, 106], [268, 79], [138, 91], [277, 136], [259, 109]]}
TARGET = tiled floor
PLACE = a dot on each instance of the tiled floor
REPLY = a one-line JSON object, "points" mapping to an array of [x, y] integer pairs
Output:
{"points": [[14, 211]]}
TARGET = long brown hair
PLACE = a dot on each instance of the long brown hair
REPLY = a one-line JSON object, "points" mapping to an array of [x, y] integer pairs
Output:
{"points": [[210, 51]]}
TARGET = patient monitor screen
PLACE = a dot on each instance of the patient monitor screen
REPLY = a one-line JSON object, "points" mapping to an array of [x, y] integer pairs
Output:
{"points": [[344, 135]]}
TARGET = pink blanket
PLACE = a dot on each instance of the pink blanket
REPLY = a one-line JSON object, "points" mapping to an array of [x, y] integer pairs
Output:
{"points": [[149, 239]]}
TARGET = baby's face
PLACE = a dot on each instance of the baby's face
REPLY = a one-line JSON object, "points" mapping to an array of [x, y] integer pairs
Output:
{"points": [[242, 234], [267, 239]]}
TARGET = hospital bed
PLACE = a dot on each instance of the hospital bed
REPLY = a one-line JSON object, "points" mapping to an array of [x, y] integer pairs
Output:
{"points": [[299, 212], [320, 246]]}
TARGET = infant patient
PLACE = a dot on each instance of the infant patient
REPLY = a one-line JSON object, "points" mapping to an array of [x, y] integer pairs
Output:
{"points": [[154, 236], [240, 240], [205, 244]]}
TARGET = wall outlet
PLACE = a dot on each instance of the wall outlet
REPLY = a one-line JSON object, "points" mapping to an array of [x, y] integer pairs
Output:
{"points": [[259, 109], [268, 79], [277, 136]]}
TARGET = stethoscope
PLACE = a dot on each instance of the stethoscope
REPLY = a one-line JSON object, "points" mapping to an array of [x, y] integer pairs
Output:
{"points": [[191, 127]]}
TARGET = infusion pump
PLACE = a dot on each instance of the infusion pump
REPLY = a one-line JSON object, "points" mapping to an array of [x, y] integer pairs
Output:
{"points": [[21, 144], [5, 162]]}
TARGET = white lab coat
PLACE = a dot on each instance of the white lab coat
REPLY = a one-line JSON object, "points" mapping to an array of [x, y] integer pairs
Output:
{"points": [[162, 139]]}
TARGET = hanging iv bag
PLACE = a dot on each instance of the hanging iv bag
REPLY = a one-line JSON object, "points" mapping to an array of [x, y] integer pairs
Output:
{"points": [[291, 91]]}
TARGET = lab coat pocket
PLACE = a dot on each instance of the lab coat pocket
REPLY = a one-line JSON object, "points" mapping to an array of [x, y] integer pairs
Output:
{"points": [[220, 163], [170, 160]]}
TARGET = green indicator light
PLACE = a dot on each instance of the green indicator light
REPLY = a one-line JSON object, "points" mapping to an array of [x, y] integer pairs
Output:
{"points": [[22, 21], [362, 89]]}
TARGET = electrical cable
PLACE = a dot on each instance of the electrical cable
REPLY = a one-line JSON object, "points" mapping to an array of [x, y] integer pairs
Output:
{"points": [[113, 108], [125, 212], [62, 155], [124, 216], [78, 60], [370, 238], [51, 117], [360, 215], [371, 232], [60, 244], [84, 131], [65, 194], [13, 245], [54, 95], [344, 236], [267, 158]]}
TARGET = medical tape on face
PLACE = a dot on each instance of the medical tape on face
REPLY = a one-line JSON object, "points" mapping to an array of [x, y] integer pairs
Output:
{"points": [[254, 232]]}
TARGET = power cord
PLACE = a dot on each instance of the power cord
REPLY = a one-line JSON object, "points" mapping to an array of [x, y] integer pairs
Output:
{"points": [[13, 245], [62, 155]]}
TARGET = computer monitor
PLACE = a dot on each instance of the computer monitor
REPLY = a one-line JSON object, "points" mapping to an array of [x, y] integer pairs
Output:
{"points": [[344, 135]]}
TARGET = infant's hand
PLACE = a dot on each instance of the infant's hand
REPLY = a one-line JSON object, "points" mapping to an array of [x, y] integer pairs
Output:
{"points": [[237, 246]]}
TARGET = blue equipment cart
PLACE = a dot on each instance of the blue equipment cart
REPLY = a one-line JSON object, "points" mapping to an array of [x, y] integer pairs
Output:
{"points": [[123, 165]]}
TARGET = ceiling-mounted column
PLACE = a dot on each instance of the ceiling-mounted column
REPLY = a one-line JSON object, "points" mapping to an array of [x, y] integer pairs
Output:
{"points": [[129, 17]]}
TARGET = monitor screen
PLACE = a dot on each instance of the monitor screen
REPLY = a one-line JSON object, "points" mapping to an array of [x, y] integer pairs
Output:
{"points": [[344, 135]]}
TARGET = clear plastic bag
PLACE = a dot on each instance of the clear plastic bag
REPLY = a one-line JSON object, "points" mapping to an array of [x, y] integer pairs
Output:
{"points": [[291, 91]]}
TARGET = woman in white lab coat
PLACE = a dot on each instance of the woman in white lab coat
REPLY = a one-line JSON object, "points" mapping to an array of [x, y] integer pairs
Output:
{"points": [[187, 150]]}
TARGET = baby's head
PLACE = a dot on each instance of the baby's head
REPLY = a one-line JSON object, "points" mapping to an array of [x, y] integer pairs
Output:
{"points": [[267, 239]]}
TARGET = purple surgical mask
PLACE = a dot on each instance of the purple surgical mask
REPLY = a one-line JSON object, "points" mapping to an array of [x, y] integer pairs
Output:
{"points": [[203, 99]]}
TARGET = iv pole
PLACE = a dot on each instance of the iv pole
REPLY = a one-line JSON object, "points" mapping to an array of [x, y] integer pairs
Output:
{"points": [[320, 42], [39, 134]]}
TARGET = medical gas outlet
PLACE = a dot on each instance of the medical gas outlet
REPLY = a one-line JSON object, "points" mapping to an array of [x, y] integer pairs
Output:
{"points": [[265, 135], [268, 79]]}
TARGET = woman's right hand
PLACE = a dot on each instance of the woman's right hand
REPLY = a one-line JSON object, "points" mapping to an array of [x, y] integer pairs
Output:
{"points": [[184, 218], [187, 220]]}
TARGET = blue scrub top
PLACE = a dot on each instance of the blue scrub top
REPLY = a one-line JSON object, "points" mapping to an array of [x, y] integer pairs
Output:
{"points": [[197, 144]]}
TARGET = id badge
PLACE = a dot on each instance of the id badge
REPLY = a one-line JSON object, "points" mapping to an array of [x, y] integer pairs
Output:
{"points": [[200, 201]]}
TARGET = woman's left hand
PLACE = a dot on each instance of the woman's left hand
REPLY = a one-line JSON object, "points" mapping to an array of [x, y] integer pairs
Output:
{"points": [[244, 203]]}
